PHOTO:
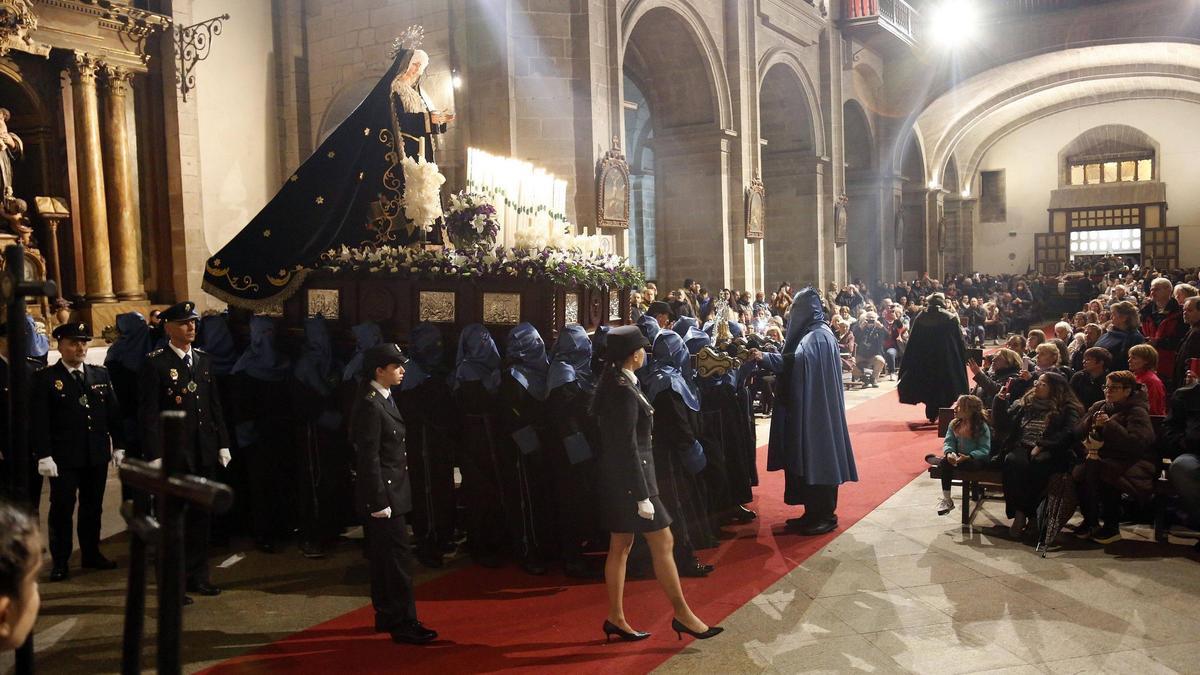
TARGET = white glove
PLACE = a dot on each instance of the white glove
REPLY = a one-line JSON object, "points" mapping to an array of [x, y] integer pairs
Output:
{"points": [[386, 513], [224, 456], [156, 463], [646, 509], [118, 457], [47, 467]]}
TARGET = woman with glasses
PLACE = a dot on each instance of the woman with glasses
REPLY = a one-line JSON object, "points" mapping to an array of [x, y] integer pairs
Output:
{"points": [[1039, 439], [1117, 439]]}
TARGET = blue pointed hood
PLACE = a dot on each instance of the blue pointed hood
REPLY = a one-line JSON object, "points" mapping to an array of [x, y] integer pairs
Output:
{"points": [[315, 366], [806, 312], [213, 336], [572, 361], [477, 360], [39, 343], [671, 361], [262, 360], [133, 343], [366, 335], [526, 355], [426, 349]]}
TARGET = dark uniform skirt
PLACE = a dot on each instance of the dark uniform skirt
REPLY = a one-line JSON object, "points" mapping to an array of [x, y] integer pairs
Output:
{"points": [[626, 519]]}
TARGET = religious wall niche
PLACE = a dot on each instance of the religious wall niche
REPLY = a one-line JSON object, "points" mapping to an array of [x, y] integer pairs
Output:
{"points": [[612, 188]]}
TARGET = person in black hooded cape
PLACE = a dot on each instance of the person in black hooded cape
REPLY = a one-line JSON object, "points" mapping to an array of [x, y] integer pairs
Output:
{"points": [[933, 371], [431, 422], [348, 193]]}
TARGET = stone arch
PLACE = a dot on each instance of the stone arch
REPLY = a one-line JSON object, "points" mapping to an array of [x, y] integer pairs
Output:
{"points": [[913, 204], [789, 168], [694, 27], [1107, 139], [670, 58], [865, 234], [782, 57]]}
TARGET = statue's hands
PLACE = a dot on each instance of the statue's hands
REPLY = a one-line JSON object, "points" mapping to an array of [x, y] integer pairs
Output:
{"points": [[441, 118]]}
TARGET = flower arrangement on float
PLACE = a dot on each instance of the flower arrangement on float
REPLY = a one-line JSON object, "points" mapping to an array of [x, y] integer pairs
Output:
{"points": [[471, 220], [560, 258]]}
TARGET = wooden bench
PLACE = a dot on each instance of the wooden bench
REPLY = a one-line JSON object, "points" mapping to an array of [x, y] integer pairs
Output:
{"points": [[975, 485]]}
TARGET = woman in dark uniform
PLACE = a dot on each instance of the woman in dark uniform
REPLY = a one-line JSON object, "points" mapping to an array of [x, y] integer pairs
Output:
{"points": [[628, 492]]}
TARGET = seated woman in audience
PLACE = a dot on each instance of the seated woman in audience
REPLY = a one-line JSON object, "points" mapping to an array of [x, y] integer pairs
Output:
{"points": [[1118, 439], [845, 338], [1143, 361], [1017, 344], [1088, 381], [967, 446], [1034, 338], [1078, 321], [1047, 360], [1039, 439], [1123, 333], [1062, 338], [993, 322], [1001, 367], [1086, 340]]}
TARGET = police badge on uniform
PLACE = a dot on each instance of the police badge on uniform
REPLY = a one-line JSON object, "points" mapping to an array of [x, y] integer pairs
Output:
{"points": [[191, 387], [174, 374], [83, 401], [58, 384]]}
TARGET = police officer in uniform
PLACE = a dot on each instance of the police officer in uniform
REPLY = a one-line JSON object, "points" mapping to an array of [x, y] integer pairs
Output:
{"points": [[384, 494], [179, 377], [75, 420]]}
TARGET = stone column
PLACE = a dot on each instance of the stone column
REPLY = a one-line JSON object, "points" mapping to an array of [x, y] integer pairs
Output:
{"points": [[934, 208], [119, 194], [90, 168]]}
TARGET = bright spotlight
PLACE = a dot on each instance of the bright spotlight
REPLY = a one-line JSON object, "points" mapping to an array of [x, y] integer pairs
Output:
{"points": [[456, 81], [954, 22]]}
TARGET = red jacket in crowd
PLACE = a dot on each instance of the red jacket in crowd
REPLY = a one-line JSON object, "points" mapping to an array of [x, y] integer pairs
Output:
{"points": [[1164, 331]]}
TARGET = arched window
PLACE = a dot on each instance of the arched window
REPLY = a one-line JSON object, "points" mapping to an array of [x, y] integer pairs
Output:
{"points": [[1113, 153]]}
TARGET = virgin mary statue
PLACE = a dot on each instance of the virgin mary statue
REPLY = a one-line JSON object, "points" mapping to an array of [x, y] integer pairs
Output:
{"points": [[349, 192]]}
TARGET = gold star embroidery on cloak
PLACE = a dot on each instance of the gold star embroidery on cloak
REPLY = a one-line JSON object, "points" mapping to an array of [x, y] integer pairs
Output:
{"points": [[320, 200], [266, 233], [367, 131], [332, 154], [294, 178]]}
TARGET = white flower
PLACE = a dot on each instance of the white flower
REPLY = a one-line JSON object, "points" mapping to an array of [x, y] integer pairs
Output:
{"points": [[422, 192]]}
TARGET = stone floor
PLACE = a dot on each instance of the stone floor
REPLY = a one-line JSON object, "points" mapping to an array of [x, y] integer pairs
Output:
{"points": [[903, 590]]}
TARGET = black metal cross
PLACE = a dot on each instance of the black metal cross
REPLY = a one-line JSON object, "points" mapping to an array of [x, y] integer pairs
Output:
{"points": [[14, 288], [175, 492]]}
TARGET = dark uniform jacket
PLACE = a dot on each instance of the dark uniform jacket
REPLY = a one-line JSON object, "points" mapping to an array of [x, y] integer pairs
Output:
{"points": [[73, 425], [165, 384], [626, 465], [377, 432]]}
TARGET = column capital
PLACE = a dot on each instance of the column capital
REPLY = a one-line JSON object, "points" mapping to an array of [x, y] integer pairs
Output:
{"points": [[85, 66], [116, 79]]}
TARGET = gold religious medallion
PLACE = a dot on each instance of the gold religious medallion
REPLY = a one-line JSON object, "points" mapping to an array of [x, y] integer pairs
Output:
{"points": [[83, 400], [58, 384], [174, 374], [191, 386]]}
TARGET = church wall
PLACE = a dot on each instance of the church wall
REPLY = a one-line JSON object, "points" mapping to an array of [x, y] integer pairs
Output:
{"points": [[1029, 158], [237, 115]]}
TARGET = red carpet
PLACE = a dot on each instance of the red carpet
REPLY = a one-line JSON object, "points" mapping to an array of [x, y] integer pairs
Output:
{"points": [[493, 620]]}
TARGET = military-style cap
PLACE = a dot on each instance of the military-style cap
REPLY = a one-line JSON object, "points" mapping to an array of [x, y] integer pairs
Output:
{"points": [[381, 356], [72, 331], [623, 341], [184, 311]]}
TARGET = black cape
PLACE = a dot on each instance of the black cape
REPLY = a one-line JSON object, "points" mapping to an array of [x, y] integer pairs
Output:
{"points": [[934, 367], [342, 195]]}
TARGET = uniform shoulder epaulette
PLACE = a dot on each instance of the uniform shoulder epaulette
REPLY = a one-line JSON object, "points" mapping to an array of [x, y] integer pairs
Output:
{"points": [[99, 366], [156, 352], [371, 394], [198, 350]]}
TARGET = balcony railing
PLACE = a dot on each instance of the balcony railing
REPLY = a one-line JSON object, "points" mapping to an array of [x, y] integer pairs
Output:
{"points": [[896, 16]]}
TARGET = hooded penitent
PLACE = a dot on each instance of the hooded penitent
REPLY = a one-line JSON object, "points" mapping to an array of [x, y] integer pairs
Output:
{"points": [[214, 338], [366, 335], [572, 360], [809, 437], [671, 358], [528, 365], [133, 343], [315, 367], [478, 360], [426, 351], [933, 371], [262, 360]]}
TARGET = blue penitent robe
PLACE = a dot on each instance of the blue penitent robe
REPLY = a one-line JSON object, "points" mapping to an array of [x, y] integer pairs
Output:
{"points": [[809, 437]]}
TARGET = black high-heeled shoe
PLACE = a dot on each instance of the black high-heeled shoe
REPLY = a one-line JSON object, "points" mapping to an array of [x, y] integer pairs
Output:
{"points": [[611, 631], [680, 629]]}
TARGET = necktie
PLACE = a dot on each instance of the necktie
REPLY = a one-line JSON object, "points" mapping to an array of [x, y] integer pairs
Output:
{"points": [[78, 375], [187, 361]]}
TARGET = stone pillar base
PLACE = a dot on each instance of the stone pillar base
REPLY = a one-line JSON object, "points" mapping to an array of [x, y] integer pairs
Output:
{"points": [[101, 316]]}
